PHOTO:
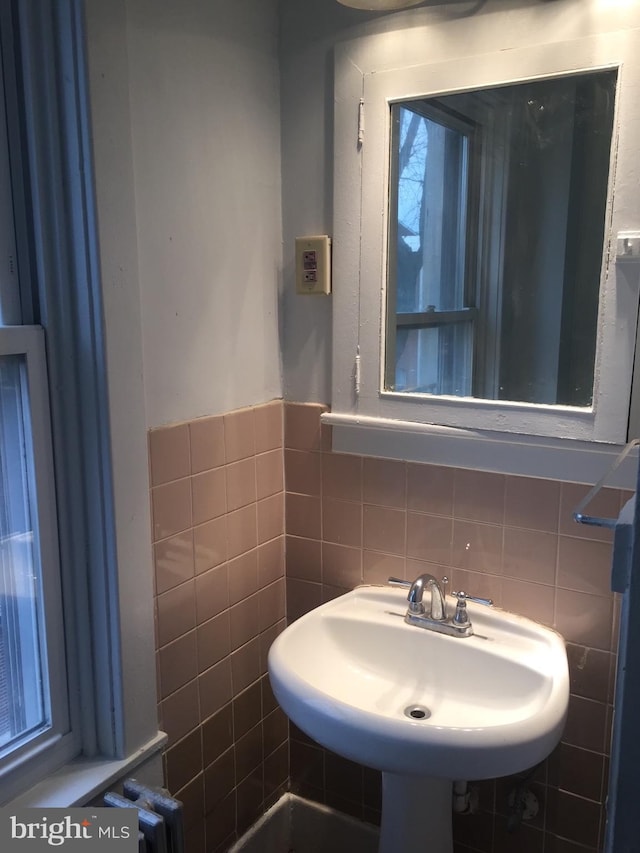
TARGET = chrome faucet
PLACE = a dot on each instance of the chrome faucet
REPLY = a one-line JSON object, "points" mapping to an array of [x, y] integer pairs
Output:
{"points": [[416, 590], [457, 625]]}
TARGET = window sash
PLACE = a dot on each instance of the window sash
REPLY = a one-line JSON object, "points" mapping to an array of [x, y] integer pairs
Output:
{"points": [[441, 215], [26, 762]]}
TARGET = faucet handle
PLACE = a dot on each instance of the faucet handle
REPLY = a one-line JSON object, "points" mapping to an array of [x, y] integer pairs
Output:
{"points": [[461, 617], [488, 602], [399, 582]]}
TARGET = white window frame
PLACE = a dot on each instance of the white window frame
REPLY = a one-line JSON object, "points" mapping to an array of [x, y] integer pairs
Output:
{"points": [[57, 744], [371, 73]]}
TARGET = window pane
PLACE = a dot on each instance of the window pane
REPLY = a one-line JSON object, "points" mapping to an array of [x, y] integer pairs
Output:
{"points": [[498, 202], [434, 360], [427, 254], [23, 703], [431, 213]]}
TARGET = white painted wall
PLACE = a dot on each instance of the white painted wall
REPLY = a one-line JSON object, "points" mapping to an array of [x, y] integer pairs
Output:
{"points": [[204, 98], [184, 98], [108, 89]]}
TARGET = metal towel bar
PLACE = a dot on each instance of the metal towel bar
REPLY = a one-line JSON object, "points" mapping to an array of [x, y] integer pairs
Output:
{"points": [[594, 520]]}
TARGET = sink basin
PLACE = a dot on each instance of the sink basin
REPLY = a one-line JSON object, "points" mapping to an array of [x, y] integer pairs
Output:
{"points": [[410, 702], [494, 703]]}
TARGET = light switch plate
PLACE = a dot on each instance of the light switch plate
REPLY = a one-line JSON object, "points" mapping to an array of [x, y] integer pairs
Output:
{"points": [[313, 265]]}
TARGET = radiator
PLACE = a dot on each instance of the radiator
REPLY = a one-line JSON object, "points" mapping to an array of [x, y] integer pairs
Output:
{"points": [[160, 818]]}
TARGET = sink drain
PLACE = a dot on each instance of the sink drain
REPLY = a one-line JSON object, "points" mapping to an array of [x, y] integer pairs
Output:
{"points": [[417, 712]]}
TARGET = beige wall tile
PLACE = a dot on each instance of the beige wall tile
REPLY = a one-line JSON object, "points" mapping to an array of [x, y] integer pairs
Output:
{"points": [[480, 584], [341, 477], [385, 529], [429, 537], [210, 544], [533, 600], [176, 612], [171, 509], [478, 496], [530, 555], [220, 824], [266, 638], [590, 672], [219, 779], [271, 561], [577, 771], [533, 504], [241, 483], [247, 709], [242, 531], [269, 473], [245, 621], [178, 663], [239, 435], [303, 471], [275, 728], [341, 566], [169, 454], [207, 444], [384, 482], [269, 426], [584, 619], [304, 558], [342, 522], [302, 596], [181, 712], [304, 517], [302, 426], [213, 640], [575, 818], [477, 546], [214, 687], [271, 604], [212, 593], [217, 734], [430, 489], [209, 495], [276, 773], [584, 565], [377, 568], [174, 561], [243, 576], [248, 752], [249, 798], [270, 518], [192, 799], [184, 761], [245, 665]]}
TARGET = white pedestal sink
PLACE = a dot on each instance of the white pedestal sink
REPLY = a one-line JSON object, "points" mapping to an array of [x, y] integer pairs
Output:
{"points": [[424, 708]]}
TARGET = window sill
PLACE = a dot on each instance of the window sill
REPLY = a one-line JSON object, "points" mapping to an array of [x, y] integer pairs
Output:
{"points": [[564, 459], [78, 782]]}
